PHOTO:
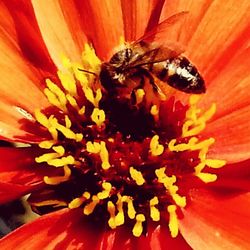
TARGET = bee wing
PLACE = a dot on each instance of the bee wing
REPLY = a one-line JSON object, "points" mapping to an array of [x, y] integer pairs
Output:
{"points": [[160, 32]]}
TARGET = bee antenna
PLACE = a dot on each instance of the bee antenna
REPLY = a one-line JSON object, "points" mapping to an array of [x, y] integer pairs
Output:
{"points": [[89, 72]]}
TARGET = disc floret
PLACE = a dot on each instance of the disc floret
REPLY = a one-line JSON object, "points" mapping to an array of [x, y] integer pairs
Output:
{"points": [[111, 175]]}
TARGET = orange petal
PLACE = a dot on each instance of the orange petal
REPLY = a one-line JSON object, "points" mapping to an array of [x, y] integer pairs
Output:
{"points": [[232, 136], [216, 223], [229, 88], [20, 27], [20, 82], [102, 23], [196, 10], [18, 124], [139, 16], [18, 175], [56, 27], [219, 28]]}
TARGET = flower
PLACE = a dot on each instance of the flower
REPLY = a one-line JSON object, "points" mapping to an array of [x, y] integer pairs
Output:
{"points": [[159, 180]]}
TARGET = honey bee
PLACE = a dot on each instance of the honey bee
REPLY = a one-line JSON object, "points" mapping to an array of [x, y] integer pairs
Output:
{"points": [[146, 61]]}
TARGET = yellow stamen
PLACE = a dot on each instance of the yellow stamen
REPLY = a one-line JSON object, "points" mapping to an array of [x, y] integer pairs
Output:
{"points": [[139, 93], [68, 160], [156, 148], [41, 118], [72, 101], [168, 183], [90, 59], [182, 146], [106, 192], [111, 210], [104, 155], [59, 149], [98, 116], [67, 122], [195, 124], [68, 82], [131, 210], [119, 218], [193, 100], [207, 177], [93, 148], [53, 133], [55, 95], [58, 179], [46, 144], [77, 202], [89, 208], [173, 221], [154, 212], [67, 132], [136, 176], [81, 110], [214, 163], [154, 110], [138, 228], [46, 157]]}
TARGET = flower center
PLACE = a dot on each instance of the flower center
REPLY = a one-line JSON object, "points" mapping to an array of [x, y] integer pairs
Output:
{"points": [[121, 163]]}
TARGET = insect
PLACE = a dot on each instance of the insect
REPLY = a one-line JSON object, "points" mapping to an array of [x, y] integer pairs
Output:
{"points": [[160, 64]]}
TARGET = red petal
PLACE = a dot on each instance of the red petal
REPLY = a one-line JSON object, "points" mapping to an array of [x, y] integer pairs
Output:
{"points": [[28, 35], [59, 24], [215, 223], [102, 23], [18, 172], [17, 124], [232, 136], [65, 229], [158, 238], [233, 177], [20, 89], [139, 16]]}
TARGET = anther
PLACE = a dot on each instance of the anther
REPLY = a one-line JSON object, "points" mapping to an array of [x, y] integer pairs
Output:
{"points": [[136, 176], [89, 208], [58, 179], [154, 212], [138, 227], [156, 148], [173, 221]]}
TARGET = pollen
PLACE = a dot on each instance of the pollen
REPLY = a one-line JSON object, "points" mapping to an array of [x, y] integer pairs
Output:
{"points": [[154, 110], [136, 176], [156, 148], [154, 211], [104, 154], [120, 162], [106, 191], [98, 116], [77, 202], [138, 228], [139, 93], [68, 82], [58, 179], [173, 221], [89, 208]]}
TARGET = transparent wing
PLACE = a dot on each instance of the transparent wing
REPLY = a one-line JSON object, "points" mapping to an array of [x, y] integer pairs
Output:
{"points": [[155, 42]]}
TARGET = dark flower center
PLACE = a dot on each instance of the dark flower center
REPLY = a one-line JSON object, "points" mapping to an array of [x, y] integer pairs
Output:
{"points": [[118, 162]]}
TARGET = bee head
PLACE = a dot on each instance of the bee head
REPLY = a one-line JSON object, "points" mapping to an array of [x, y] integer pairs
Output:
{"points": [[121, 58]]}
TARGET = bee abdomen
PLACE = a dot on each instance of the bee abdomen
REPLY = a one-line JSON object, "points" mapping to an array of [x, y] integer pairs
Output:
{"points": [[181, 74]]}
